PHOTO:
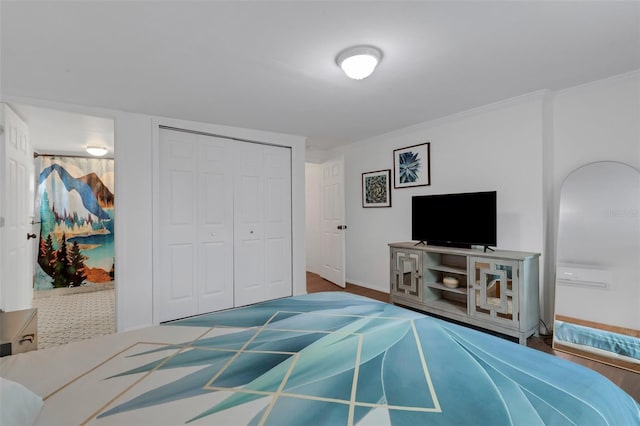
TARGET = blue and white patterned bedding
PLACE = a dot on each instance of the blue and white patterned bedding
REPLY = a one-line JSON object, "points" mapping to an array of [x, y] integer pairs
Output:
{"points": [[331, 359], [613, 344]]}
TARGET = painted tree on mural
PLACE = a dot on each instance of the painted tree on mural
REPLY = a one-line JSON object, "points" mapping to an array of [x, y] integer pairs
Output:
{"points": [[68, 268], [47, 215], [60, 264], [47, 255], [76, 269]]}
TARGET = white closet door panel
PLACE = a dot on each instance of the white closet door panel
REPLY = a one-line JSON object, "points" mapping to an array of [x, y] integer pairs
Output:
{"points": [[277, 222], [278, 269], [215, 225], [249, 207], [225, 224], [175, 295], [214, 186], [181, 282], [277, 219], [181, 211], [249, 233], [177, 181], [216, 277], [249, 192], [249, 253], [249, 273], [262, 223]]}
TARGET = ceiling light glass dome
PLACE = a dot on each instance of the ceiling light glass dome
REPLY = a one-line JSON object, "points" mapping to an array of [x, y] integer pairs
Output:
{"points": [[359, 62]]}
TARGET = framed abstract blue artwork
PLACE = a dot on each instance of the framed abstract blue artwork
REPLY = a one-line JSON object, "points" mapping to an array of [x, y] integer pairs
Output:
{"points": [[411, 166]]}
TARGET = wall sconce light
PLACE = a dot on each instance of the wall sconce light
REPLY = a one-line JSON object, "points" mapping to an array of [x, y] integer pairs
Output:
{"points": [[358, 62], [97, 151]]}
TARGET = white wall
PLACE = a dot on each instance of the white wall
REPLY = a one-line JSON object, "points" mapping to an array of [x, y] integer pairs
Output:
{"points": [[523, 148], [135, 136], [597, 122], [133, 225], [498, 147], [3, 286]]}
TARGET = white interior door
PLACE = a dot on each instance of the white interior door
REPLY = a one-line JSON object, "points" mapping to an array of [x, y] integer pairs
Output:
{"points": [[262, 223], [195, 270], [16, 213], [333, 222]]}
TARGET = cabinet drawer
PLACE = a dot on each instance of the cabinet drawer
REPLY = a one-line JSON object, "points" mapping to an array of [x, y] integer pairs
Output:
{"points": [[19, 331], [27, 340]]}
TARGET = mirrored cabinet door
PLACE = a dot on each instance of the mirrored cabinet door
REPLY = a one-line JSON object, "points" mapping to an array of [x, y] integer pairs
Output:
{"points": [[495, 290], [407, 273]]}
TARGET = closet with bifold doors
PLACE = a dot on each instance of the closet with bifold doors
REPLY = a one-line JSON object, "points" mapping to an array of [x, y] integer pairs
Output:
{"points": [[223, 231]]}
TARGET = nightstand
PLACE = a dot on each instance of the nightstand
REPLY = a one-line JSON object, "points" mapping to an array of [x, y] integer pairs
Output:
{"points": [[18, 331]]}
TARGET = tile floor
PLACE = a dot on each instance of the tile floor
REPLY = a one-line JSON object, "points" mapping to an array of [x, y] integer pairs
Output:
{"points": [[68, 315]]}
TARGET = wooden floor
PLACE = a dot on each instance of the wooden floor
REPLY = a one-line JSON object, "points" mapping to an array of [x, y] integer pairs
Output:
{"points": [[627, 380]]}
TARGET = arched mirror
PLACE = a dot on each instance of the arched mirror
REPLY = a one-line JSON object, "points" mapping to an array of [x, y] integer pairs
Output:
{"points": [[597, 305]]}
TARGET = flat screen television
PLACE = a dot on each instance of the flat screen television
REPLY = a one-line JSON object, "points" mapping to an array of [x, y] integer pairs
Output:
{"points": [[455, 220]]}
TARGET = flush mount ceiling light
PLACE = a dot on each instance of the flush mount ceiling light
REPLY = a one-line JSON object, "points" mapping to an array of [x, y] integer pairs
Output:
{"points": [[358, 62], [97, 151]]}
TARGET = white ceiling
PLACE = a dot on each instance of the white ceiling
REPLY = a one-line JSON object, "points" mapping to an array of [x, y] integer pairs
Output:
{"points": [[270, 65]]}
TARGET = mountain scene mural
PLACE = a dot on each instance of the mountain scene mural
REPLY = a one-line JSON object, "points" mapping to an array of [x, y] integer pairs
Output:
{"points": [[76, 205]]}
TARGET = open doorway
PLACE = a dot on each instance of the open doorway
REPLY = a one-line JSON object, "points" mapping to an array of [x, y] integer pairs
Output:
{"points": [[73, 258], [325, 220]]}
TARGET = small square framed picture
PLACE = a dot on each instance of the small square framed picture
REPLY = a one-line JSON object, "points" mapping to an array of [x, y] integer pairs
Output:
{"points": [[376, 188], [411, 166]]}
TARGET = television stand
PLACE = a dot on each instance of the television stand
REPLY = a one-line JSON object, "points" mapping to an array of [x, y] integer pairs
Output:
{"points": [[496, 290], [488, 248], [421, 243]]}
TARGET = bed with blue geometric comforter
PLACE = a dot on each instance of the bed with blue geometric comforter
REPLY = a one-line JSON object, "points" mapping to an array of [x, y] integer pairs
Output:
{"points": [[326, 359]]}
